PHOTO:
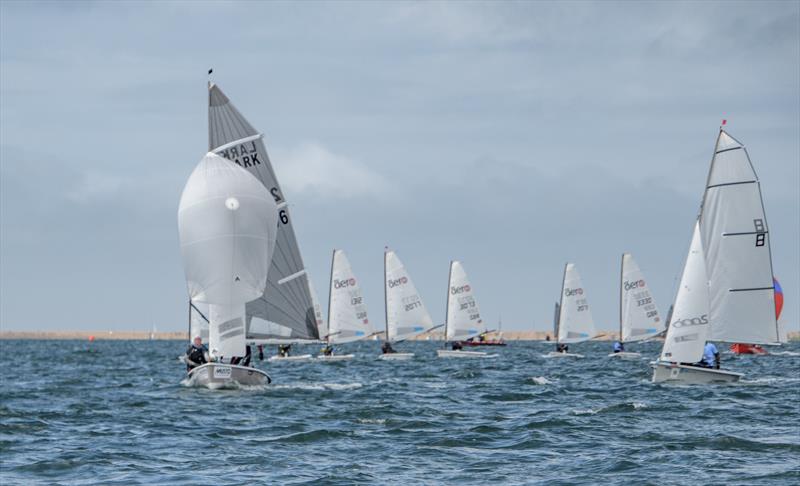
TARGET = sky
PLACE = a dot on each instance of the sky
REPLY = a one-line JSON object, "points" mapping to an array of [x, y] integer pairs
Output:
{"points": [[512, 136]]}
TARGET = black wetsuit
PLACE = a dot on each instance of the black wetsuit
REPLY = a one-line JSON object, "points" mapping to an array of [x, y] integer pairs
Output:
{"points": [[456, 346], [196, 356], [387, 348]]}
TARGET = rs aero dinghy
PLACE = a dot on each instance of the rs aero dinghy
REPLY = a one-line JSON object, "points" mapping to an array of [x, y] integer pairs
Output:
{"points": [[573, 320], [463, 317], [726, 292]]}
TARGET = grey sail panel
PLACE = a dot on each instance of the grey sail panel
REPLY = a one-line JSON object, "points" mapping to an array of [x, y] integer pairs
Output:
{"points": [[286, 310]]}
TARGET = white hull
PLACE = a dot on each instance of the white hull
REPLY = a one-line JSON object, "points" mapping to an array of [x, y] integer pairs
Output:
{"points": [[625, 355], [690, 375], [216, 375], [556, 354], [336, 357], [446, 353], [396, 356], [301, 357]]}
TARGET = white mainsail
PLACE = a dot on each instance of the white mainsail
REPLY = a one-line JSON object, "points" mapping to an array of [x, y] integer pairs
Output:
{"points": [[463, 315], [347, 313], [575, 322], [737, 249], [689, 324], [322, 324], [227, 225], [406, 315], [638, 314], [285, 311]]}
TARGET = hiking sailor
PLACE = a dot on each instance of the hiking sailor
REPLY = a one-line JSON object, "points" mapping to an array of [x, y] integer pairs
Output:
{"points": [[196, 354]]}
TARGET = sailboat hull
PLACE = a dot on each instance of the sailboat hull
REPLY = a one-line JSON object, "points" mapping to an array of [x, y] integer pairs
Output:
{"points": [[625, 355], [396, 356], [664, 372], [556, 354], [300, 357], [446, 353], [336, 357], [215, 376]]}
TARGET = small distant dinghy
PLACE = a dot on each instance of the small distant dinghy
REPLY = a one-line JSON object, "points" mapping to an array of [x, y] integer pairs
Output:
{"points": [[347, 312], [299, 357], [573, 320], [227, 224], [406, 315], [638, 315], [463, 320], [727, 292]]}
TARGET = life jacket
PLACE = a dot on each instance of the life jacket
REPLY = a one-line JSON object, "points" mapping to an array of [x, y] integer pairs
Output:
{"points": [[196, 354], [708, 355]]}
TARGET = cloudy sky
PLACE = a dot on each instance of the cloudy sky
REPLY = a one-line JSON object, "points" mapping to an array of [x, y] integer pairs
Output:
{"points": [[512, 136]]}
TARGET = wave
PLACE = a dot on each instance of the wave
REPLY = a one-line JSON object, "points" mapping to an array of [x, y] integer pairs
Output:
{"points": [[317, 386], [540, 380]]}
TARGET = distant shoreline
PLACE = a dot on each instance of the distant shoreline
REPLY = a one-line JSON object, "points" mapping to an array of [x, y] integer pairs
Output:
{"points": [[184, 336]]}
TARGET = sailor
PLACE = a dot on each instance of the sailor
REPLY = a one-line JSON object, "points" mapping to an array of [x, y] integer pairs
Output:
{"points": [[284, 349], [196, 354], [456, 346], [327, 350], [562, 348], [261, 352], [248, 355], [618, 347], [387, 348], [710, 357]]}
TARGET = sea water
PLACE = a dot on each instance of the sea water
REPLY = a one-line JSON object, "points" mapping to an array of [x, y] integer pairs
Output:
{"points": [[115, 412]]}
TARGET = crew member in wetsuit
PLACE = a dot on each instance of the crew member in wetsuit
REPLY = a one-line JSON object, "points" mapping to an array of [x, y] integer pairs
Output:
{"points": [[261, 352], [457, 346], [618, 347], [196, 354], [248, 355], [327, 350], [387, 348], [284, 349], [562, 348], [710, 357]]}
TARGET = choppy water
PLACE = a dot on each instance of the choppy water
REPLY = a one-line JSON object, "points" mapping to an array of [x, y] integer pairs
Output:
{"points": [[119, 415]]}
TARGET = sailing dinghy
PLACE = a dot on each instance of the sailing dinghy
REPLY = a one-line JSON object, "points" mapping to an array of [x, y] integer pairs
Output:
{"points": [[463, 319], [227, 224], [284, 313], [575, 323], [406, 315], [727, 292], [347, 313], [638, 316]]}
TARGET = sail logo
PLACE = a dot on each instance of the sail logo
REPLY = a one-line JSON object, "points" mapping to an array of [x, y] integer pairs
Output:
{"points": [[396, 282], [245, 155], [568, 292], [340, 284], [634, 285], [692, 321], [460, 290]]}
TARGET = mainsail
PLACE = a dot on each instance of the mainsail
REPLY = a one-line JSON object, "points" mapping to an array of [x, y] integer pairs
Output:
{"points": [[463, 315], [347, 313], [737, 249], [638, 315], [689, 324], [285, 311], [575, 322], [406, 315]]}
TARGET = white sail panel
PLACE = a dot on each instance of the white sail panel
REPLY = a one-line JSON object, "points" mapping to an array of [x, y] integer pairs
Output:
{"points": [[639, 317], [737, 249], [575, 322], [226, 331], [286, 301], [463, 315], [689, 323], [406, 315], [347, 313]]}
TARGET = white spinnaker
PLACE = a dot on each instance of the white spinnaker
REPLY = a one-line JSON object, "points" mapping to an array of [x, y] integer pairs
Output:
{"points": [[406, 315], [689, 326], [639, 317], [322, 324], [285, 311], [463, 315], [737, 249], [575, 322], [227, 222], [347, 313]]}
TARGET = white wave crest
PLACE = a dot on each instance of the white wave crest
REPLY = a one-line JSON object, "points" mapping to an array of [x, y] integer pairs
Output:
{"points": [[540, 380]]}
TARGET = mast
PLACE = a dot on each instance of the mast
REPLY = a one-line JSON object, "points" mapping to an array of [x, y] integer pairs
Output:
{"points": [[621, 290], [561, 303], [330, 291], [385, 295], [447, 302]]}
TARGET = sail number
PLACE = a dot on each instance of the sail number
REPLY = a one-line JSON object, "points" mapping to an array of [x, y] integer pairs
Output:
{"points": [[284, 217], [583, 305], [276, 194]]}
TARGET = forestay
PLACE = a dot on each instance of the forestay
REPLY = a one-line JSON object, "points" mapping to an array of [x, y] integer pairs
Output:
{"points": [[285, 311], [575, 322], [737, 249], [463, 315], [689, 324], [347, 313], [406, 315], [639, 318]]}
